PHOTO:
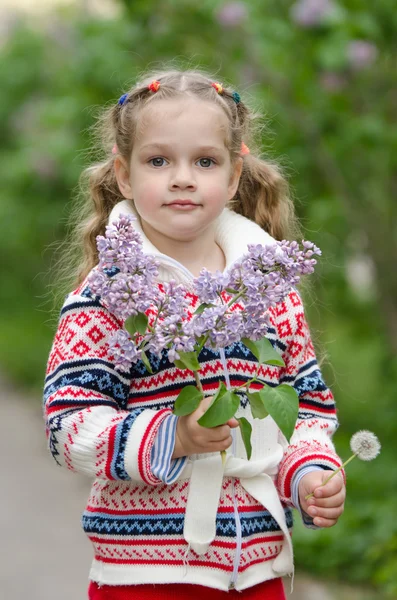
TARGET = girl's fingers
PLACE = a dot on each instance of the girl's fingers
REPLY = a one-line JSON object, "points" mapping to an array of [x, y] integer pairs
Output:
{"points": [[217, 434], [222, 445], [324, 522], [325, 513], [330, 502], [333, 487]]}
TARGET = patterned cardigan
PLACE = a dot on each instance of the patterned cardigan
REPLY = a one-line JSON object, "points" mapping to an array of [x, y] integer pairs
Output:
{"points": [[104, 424]]}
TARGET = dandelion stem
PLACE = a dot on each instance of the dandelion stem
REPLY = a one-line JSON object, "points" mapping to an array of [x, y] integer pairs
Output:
{"points": [[332, 475]]}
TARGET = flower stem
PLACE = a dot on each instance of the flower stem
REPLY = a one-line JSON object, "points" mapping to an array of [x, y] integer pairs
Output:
{"points": [[198, 382], [332, 475], [248, 383], [233, 300], [200, 388]]}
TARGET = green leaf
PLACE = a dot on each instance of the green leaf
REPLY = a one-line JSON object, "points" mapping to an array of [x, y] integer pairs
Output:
{"points": [[199, 342], [246, 429], [264, 352], [282, 404], [222, 408], [146, 362], [257, 407], [202, 308], [188, 360], [136, 323], [231, 291], [187, 401]]}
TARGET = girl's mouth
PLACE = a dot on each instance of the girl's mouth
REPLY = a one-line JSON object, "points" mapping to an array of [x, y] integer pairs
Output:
{"points": [[182, 205]]}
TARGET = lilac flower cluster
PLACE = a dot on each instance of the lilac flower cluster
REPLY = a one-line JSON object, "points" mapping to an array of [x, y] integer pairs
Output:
{"points": [[219, 324], [208, 286], [170, 330], [126, 281], [234, 304], [125, 352], [260, 280], [125, 276]]}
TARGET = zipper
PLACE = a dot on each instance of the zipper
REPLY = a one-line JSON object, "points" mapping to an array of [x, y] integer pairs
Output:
{"points": [[237, 555]]}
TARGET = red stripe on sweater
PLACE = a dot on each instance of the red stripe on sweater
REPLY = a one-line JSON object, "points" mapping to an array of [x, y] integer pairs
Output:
{"points": [[182, 542], [142, 452], [306, 459], [177, 562], [112, 435], [326, 409], [166, 511], [257, 561]]}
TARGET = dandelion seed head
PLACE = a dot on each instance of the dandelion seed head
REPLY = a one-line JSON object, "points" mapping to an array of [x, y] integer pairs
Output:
{"points": [[365, 445]]}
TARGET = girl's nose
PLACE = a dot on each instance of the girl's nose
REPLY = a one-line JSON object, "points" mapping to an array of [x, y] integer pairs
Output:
{"points": [[182, 178]]}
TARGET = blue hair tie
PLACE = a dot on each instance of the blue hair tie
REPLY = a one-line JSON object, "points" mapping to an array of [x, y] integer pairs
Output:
{"points": [[236, 97], [123, 99]]}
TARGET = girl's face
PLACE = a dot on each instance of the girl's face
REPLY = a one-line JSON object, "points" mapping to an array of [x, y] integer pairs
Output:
{"points": [[180, 176]]}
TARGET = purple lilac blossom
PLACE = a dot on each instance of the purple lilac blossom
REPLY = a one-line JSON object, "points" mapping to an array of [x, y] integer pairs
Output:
{"points": [[125, 352], [126, 280], [171, 333], [133, 288], [209, 285]]}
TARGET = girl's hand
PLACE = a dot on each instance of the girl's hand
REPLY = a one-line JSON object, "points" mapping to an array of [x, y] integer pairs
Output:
{"points": [[327, 504], [192, 438]]}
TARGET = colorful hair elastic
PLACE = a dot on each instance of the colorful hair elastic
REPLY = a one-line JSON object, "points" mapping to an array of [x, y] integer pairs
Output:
{"points": [[244, 149], [115, 149], [154, 86], [218, 87], [236, 97], [122, 99]]}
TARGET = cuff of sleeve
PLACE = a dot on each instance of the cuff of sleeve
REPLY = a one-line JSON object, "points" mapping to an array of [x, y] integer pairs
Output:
{"points": [[306, 519], [163, 466], [303, 457], [138, 449]]}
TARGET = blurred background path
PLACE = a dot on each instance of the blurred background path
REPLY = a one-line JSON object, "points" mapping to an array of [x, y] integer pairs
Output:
{"points": [[46, 555]]}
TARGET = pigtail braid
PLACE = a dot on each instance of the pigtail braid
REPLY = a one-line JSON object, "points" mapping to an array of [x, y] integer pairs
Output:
{"points": [[263, 197], [104, 194]]}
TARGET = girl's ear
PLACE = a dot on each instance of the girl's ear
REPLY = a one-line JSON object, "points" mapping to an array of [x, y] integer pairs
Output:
{"points": [[122, 174], [237, 168]]}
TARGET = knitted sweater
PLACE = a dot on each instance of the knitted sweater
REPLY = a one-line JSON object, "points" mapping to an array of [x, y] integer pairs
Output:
{"points": [[201, 524]]}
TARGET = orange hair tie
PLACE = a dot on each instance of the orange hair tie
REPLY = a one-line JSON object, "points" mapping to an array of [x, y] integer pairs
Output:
{"points": [[154, 86], [218, 87], [244, 149]]}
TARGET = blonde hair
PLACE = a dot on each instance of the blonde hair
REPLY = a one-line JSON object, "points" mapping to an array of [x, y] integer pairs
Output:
{"points": [[262, 195]]}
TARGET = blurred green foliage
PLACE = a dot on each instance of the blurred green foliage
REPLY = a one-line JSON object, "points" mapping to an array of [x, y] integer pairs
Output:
{"points": [[327, 89]]}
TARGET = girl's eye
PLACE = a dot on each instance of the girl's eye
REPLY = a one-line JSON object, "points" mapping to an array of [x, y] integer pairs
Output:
{"points": [[158, 161], [205, 162]]}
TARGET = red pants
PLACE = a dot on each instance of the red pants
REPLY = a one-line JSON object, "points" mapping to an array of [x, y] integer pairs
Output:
{"points": [[269, 590]]}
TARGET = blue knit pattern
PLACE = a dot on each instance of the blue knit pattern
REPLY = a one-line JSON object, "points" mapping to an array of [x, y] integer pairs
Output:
{"points": [[117, 468], [138, 524]]}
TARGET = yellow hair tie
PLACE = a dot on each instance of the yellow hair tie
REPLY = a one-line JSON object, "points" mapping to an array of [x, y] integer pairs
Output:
{"points": [[218, 87]]}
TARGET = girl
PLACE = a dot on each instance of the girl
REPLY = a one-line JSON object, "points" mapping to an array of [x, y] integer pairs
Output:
{"points": [[162, 512]]}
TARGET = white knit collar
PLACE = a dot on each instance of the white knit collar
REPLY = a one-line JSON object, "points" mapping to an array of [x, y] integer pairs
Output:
{"points": [[233, 232]]}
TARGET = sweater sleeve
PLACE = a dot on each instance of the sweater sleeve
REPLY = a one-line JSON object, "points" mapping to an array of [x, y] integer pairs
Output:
{"points": [[88, 425], [311, 442]]}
